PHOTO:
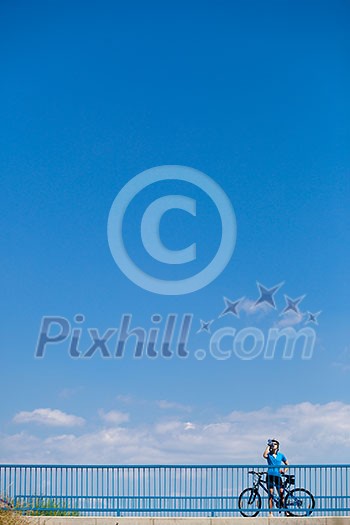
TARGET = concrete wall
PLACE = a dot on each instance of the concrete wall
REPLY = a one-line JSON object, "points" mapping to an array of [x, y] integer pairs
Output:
{"points": [[57, 520]]}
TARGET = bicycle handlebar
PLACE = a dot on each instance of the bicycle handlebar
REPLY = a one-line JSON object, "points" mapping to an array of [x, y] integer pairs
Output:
{"points": [[262, 474]]}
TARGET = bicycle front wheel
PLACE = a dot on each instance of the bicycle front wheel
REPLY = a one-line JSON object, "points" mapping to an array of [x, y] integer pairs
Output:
{"points": [[299, 502], [249, 503]]}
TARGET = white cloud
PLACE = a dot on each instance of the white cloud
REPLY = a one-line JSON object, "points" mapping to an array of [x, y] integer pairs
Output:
{"points": [[309, 433], [167, 427], [289, 319], [170, 405], [68, 393], [50, 417], [250, 308], [114, 417], [125, 399], [163, 404]]}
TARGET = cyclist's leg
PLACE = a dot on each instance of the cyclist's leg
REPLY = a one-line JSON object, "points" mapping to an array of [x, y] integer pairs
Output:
{"points": [[270, 485], [280, 489]]}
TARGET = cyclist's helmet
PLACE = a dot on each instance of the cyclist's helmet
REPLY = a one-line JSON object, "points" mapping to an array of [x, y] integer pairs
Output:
{"points": [[277, 443]]}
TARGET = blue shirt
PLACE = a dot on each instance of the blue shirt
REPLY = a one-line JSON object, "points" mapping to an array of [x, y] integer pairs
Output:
{"points": [[276, 461]]}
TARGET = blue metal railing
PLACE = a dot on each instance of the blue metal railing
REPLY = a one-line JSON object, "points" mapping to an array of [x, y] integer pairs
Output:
{"points": [[160, 490]]}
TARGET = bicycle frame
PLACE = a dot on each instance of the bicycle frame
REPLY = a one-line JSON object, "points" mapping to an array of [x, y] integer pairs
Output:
{"points": [[258, 483]]}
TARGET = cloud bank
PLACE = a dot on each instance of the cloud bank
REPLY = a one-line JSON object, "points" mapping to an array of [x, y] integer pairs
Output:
{"points": [[309, 433], [50, 417]]}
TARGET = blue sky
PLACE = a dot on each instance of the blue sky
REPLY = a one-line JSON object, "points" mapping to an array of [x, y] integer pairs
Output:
{"points": [[252, 94]]}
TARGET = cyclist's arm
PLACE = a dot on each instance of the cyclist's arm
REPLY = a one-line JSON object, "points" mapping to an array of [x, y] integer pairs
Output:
{"points": [[284, 470], [266, 452]]}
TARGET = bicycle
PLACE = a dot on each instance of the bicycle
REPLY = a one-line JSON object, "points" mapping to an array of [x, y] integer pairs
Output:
{"points": [[297, 501]]}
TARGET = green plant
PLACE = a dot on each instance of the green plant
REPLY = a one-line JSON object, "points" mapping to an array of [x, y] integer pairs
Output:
{"points": [[51, 507]]}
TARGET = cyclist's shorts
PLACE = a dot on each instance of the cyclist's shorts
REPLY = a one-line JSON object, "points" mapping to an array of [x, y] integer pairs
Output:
{"points": [[273, 481]]}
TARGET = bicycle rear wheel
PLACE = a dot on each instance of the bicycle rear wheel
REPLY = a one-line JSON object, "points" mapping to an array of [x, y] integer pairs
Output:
{"points": [[299, 502], [249, 503]]}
